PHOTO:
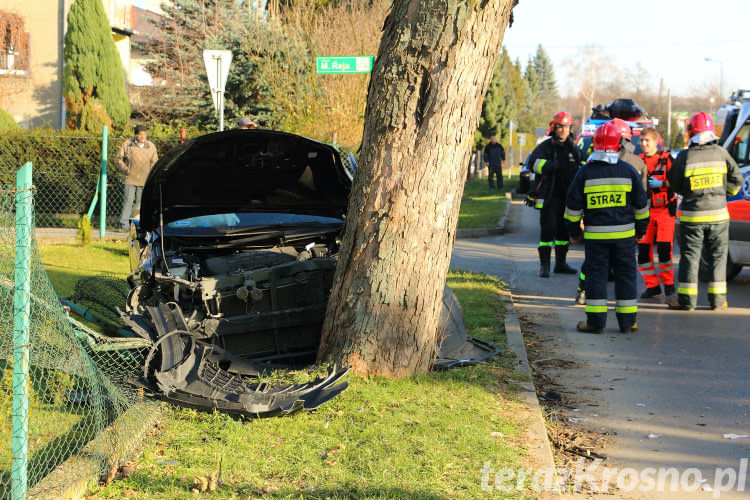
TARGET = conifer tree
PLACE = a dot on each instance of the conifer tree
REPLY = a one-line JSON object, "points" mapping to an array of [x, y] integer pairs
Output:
{"points": [[503, 100], [545, 73], [93, 77]]}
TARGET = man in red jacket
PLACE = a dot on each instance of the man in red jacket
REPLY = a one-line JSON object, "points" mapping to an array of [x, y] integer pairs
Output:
{"points": [[660, 232]]}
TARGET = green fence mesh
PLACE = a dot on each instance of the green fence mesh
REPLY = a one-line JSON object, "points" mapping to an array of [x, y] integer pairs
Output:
{"points": [[66, 171], [82, 415]]}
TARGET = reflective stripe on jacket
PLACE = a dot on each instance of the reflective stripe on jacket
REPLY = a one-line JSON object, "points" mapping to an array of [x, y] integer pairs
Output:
{"points": [[658, 165], [705, 175], [554, 165], [610, 199]]}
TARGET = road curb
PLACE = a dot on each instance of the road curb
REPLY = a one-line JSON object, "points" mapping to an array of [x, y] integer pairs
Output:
{"points": [[463, 234], [537, 440]]}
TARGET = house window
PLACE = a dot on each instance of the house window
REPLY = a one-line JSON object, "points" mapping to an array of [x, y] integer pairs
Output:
{"points": [[14, 45]]}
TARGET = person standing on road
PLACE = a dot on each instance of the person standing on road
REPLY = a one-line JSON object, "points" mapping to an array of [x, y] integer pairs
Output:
{"points": [[660, 233], [135, 158], [705, 175], [626, 154], [494, 156], [608, 196], [554, 163]]}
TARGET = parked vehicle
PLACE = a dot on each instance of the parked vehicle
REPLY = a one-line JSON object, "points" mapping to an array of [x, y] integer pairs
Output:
{"points": [[525, 177]]}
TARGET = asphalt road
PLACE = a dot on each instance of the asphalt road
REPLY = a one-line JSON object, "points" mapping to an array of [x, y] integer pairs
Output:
{"points": [[683, 377]]}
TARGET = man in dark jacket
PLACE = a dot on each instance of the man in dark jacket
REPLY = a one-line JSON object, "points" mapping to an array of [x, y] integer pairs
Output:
{"points": [[494, 156], [608, 195], [554, 162], [704, 174]]}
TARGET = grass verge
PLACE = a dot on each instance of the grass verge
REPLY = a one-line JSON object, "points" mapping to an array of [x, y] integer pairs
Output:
{"points": [[482, 206], [423, 437], [66, 263]]}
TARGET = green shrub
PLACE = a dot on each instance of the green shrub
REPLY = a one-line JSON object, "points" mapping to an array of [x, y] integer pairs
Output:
{"points": [[6, 121], [84, 230], [66, 169]]}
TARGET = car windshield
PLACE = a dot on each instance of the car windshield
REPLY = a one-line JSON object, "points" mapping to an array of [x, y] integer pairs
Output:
{"points": [[235, 221]]}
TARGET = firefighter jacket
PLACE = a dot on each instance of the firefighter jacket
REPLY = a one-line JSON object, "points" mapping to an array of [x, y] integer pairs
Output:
{"points": [[628, 156], [608, 194], [658, 165], [705, 175], [554, 165]]}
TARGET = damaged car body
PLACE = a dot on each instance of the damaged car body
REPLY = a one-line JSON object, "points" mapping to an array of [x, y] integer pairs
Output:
{"points": [[233, 261]]}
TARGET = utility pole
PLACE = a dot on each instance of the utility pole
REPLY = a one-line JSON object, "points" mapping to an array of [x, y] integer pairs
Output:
{"points": [[669, 118]]}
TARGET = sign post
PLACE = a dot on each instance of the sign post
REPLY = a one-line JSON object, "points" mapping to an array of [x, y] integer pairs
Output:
{"points": [[217, 68]]}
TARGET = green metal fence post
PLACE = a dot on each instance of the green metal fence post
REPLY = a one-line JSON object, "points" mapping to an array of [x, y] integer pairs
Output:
{"points": [[90, 213], [21, 312], [103, 186]]}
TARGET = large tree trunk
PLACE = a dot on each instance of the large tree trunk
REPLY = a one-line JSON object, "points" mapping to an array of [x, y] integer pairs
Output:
{"points": [[433, 67]]}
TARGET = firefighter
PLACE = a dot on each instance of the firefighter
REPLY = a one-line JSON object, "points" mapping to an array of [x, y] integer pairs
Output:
{"points": [[626, 154], [627, 150], [660, 232], [705, 175], [555, 162], [607, 194]]}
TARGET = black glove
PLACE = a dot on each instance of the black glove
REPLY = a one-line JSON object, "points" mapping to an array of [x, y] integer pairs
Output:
{"points": [[639, 235], [672, 208]]}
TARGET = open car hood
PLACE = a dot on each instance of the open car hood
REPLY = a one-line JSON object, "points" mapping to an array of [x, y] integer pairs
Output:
{"points": [[246, 171]]}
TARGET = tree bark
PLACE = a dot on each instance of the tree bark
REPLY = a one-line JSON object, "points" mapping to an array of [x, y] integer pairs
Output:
{"points": [[433, 67]]}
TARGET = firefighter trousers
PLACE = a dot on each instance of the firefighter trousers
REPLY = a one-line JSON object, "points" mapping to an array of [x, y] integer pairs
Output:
{"points": [[553, 231], [659, 237], [600, 255], [711, 241]]}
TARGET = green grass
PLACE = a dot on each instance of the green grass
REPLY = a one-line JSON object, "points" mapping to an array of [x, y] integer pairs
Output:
{"points": [[422, 437], [66, 263], [482, 207]]}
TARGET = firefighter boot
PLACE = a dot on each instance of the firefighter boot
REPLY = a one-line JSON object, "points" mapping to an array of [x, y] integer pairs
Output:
{"points": [[652, 291], [545, 254], [561, 267], [584, 327]]}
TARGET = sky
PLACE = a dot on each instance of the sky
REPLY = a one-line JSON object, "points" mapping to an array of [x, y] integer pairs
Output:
{"points": [[670, 38]]}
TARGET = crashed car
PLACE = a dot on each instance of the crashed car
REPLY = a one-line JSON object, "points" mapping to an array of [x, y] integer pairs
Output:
{"points": [[233, 260]]}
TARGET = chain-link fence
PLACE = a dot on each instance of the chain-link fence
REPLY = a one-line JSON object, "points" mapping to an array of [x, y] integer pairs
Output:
{"points": [[66, 411], [66, 173]]}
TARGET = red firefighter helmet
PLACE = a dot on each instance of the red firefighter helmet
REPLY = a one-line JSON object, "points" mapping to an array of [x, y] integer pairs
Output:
{"points": [[700, 122], [607, 137], [560, 118], [623, 127]]}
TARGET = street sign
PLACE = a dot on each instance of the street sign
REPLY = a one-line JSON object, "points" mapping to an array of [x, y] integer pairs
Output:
{"points": [[344, 64], [521, 138], [217, 68]]}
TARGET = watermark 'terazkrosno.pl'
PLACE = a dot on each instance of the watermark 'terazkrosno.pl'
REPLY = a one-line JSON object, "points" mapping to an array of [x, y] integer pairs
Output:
{"points": [[599, 479]]}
